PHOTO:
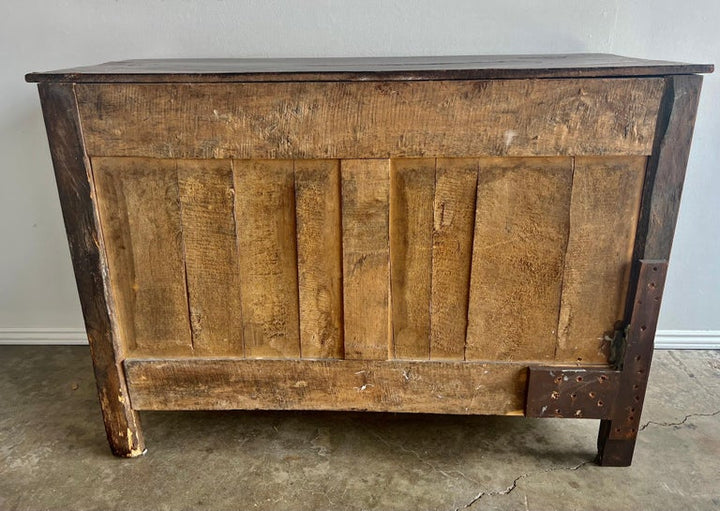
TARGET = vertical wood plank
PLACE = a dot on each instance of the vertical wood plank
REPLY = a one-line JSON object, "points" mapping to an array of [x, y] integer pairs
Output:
{"points": [[603, 218], [521, 231], [77, 192], [667, 165], [210, 250], [366, 258], [412, 187], [665, 174], [112, 210], [265, 220], [144, 233], [453, 220], [656, 227], [317, 207]]}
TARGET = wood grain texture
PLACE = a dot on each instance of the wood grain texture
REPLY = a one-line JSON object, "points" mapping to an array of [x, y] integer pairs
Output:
{"points": [[210, 251], [521, 233], [265, 212], [319, 238], [371, 68], [145, 250], [666, 172], [412, 191], [76, 189], [398, 386], [603, 218], [366, 258], [453, 224], [372, 119], [617, 435], [662, 189], [112, 212]]}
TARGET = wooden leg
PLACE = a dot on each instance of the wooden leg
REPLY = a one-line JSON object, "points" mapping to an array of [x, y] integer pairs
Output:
{"points": [[122, 427], [661, 200], [616, 439], [122, 424], [614, 452], [76, 188]]}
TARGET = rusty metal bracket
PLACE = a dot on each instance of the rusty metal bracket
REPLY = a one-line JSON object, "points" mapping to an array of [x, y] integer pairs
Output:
{"points": [[571, 392], [614, 394], [634, 361]]}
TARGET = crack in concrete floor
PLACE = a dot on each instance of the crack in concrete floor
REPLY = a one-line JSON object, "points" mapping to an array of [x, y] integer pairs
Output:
{"points": [[685, 419], [515, 482], [51, 434]]}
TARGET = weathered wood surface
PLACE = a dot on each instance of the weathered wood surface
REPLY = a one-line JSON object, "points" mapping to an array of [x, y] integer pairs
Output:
{"points": [[77, 195], [521, 232], [367, 68], [210, 255], [617, 435], [494, 264], [265, 213], [603, 218], [371, 119], [666, 169], [138, 200], [366, 258], [656, 227], [412, 191], [398, 386], [453, 224], [203, 258], [319, 238]]}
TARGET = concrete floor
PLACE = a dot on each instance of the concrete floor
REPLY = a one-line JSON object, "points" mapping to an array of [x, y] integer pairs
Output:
{"points": [[53, 453]]}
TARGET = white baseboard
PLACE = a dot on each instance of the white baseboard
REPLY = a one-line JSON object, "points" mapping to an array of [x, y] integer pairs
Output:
{"points": [[664, 339], [43, 336], [687, 340]]}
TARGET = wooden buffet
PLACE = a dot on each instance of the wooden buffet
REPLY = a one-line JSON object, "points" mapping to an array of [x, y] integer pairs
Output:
{"points": [[465, 235]]}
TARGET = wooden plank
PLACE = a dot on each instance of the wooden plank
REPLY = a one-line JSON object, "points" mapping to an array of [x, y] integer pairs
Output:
{"points": [[521, 233], [76, 189], [656, 227], [317, 210], [372, 120], [111, 207], [616, 439], [453, 221], [412, 190], [144, 233], [265, 213], [603, 217], [211, 258], [665, 174], [381, 386], [366, 258], [453, 67]]}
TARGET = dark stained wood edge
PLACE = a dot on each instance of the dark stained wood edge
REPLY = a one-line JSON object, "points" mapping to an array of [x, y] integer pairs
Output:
{"points": [[76, 190], [459, 67], [616, 439], [665, 175], [571, 392], [662, 189], [449, 387]]}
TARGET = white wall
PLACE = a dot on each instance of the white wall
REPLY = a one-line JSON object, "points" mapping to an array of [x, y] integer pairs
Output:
{"points": [[36, 283]]}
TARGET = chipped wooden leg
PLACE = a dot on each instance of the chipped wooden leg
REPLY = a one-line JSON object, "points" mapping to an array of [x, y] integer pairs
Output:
{"points": [[76, 189], [122, 424]]}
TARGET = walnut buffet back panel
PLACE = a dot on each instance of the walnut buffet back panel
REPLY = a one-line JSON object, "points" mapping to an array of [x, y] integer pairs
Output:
{"points": [[467, 235]]}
